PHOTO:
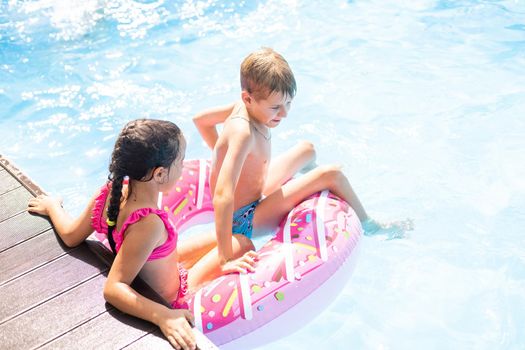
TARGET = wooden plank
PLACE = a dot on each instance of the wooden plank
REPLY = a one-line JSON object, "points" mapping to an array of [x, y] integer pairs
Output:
{"points": [[30, 254], [7, 182], [155, 340], [55, 317], [14, 202], [111, 330], [32, 187], [21, 227], [35, 287]]}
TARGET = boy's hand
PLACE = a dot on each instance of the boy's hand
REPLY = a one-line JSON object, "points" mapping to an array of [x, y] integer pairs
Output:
{"points": [[244, 264], [177, 329], [42, 204]]}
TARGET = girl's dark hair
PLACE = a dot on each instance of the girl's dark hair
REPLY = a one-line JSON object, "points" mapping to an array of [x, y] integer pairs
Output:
{"points": [[142, 145]]}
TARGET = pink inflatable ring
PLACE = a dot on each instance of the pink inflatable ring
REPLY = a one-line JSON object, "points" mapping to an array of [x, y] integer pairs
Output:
{"points": [[300, 271]]}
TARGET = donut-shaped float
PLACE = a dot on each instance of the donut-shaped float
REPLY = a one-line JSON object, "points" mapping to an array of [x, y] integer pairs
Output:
{"points": [[301, 269]]}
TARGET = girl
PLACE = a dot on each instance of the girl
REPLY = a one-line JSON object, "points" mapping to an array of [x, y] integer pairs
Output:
{"points": [[149, 153]]}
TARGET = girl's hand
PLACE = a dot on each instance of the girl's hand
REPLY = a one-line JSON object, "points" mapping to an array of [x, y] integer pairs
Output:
{"points": [[42, 204], [244, 264], [176, 327]]}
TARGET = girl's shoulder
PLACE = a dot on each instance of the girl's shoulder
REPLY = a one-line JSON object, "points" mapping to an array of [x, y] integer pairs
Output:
{"points": [[151, 218], [152, 225]]}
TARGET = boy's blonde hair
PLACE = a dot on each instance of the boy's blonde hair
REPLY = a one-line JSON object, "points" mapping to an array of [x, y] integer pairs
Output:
{"points": [[264, 72]]}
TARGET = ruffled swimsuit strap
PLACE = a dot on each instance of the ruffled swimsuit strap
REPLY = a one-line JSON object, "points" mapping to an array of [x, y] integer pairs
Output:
{"points": [[161, 251], [97, 222]]}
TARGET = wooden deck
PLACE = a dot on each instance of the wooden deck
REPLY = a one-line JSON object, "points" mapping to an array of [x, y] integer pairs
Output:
{"points": [[51, 295]]}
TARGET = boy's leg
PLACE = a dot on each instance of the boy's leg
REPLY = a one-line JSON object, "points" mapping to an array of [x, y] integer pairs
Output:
{"points": [[273, 208], [207, 268], [287, 164]]}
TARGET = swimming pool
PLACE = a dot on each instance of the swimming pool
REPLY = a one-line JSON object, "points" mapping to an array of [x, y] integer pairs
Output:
{"points": [[423, 102]]}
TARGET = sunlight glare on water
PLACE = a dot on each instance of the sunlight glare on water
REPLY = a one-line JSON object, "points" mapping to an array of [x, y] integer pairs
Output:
{"points": [[422, 102]]}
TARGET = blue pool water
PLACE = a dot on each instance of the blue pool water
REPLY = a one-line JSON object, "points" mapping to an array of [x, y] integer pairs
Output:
{"points": [[423, 102]]}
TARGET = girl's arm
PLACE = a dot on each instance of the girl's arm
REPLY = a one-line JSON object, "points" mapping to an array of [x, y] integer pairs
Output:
{"points": [[141, 238], [207, 121], [72, 231]]}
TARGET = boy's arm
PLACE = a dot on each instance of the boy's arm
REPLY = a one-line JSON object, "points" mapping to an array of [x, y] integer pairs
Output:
{"points": [[206, 122], [223, 198]]}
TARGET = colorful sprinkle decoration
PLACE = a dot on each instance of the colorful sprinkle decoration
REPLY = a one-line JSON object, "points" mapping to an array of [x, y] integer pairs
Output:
{"points": [[279, 296]]}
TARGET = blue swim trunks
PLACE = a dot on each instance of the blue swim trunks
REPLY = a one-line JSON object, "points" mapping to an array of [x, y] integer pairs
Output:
{"points": [[243, 219]]}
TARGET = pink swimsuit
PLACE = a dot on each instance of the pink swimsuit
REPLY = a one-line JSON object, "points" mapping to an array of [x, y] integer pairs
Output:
{"points": [[98, 223]]}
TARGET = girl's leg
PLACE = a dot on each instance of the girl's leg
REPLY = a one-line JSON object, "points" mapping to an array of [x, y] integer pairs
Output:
{"points": [[273, 208], [194, 248], [207, 268], [287, 164]]}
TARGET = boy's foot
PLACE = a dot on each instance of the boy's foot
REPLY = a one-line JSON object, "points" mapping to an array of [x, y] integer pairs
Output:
{"points": [[389, 230]]}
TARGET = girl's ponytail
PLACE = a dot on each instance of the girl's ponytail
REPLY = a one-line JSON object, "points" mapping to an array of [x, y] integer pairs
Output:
{"points": [[114, 208]]}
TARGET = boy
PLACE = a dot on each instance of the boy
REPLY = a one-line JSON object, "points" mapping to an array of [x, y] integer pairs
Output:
{"points": [[249, 192]]}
